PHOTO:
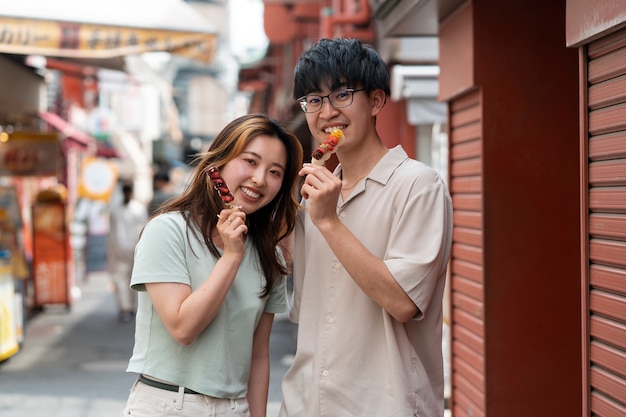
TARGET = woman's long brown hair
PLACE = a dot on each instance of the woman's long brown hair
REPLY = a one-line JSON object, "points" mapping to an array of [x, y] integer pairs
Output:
{"points": [[199, 204]]}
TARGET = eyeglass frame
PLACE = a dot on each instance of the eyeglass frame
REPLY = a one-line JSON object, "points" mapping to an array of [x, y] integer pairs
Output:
{"points": [[303, 103]]}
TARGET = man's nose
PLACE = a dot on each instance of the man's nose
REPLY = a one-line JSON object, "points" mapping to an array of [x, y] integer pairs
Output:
{"points": [[327, 106]]}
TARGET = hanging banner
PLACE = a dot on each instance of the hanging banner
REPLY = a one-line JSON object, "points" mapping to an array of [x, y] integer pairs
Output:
{"points": [[91, 41]]}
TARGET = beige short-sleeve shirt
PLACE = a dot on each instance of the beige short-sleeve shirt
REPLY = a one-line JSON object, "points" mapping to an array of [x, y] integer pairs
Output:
{"points": [[353, 358]]}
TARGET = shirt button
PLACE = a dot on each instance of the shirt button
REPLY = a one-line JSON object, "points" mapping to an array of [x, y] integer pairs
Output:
{"points": [[336, 265], [331, 319], [325, 373], [342, 214]]}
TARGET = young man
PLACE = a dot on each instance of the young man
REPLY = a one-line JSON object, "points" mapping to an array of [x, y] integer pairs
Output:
{"points": [[370, 256]]}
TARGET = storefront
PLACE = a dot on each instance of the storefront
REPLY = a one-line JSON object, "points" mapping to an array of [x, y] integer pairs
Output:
{"points": [[28, 161]]}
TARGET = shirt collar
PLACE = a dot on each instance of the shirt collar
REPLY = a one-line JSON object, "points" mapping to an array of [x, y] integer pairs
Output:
{"points": [[383, 170]]}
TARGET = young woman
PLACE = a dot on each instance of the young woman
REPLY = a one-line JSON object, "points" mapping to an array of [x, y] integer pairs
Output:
{"points": [[211, 277]]}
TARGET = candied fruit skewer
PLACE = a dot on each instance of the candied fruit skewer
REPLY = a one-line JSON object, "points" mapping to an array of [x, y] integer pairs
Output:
{"points": [[323, 152], [222, 189]]}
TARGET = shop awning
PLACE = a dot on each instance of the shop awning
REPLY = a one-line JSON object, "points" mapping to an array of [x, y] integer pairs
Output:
{"points": [[69, 132], [104, 29]]}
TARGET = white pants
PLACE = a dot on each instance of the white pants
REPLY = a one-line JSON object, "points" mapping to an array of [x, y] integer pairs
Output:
{"points": [[147, 401], [120, 269]]}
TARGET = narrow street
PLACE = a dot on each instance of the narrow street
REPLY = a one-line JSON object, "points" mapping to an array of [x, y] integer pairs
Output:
{"points": [[72, 363]]}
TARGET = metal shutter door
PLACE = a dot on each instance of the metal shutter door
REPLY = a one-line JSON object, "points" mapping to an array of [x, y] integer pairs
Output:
{"points": [[468, 347], [604, 205]]}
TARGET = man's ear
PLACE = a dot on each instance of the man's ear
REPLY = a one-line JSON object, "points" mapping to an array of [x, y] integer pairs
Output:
{"points": [[378, 98]]}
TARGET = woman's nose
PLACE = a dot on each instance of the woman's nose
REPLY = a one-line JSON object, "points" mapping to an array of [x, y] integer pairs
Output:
{"points": [[258, 178]]}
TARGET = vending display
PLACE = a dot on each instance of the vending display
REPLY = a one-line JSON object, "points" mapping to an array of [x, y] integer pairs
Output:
{"points": [[12, 269]]}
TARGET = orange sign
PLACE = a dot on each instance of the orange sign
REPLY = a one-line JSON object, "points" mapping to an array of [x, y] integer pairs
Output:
{"points": [[97, 179]]}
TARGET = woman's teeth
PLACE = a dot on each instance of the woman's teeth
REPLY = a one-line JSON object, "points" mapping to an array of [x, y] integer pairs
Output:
{"points": [[250, 193]]}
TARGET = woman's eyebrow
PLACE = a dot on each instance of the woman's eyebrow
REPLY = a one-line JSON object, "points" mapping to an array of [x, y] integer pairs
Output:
{"points": [[260, 157]]}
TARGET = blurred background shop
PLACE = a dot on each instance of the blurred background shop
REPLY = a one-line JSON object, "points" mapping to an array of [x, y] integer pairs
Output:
{"points": [[89, 97]]}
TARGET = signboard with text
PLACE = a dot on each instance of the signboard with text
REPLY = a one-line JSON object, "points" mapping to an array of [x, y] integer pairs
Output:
{"points": [[51, 260], [84, 40], [30, 154]]}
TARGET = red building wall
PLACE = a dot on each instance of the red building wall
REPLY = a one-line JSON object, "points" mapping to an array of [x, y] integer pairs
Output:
{"points": [[514, 56]]}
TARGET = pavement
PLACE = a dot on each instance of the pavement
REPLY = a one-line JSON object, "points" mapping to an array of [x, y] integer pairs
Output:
{"points": [[72, 362]]}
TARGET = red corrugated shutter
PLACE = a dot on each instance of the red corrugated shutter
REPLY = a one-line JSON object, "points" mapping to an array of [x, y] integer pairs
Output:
{"points": [[468, 342], [605, 207]]}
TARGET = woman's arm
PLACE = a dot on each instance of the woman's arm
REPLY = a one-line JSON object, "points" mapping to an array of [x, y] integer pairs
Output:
{"points": [[186, 314], [258, 384]]}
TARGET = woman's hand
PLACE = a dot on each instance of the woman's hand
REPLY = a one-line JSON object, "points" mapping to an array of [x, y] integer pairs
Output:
{"points": [[232, 229]]}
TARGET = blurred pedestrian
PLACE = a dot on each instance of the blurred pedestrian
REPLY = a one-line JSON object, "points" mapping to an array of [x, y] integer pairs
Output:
{"points": [[371, 254], [162, 190], [127, 218], [210, 278]]}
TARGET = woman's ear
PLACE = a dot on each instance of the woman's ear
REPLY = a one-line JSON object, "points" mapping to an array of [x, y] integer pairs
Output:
{"points": [[378, 98]]}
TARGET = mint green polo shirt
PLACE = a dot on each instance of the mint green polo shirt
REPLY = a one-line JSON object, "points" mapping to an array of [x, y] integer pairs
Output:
{"points": [[217, 363]]}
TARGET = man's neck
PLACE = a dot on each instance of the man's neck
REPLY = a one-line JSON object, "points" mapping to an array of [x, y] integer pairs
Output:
{"points": [[357, 163]]}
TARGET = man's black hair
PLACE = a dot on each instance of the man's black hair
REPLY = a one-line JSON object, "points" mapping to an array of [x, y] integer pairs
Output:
{"points": [[339, 63]]}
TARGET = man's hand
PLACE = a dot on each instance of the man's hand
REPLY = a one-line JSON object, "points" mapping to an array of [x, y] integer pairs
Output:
{"points": [[321, 189]]}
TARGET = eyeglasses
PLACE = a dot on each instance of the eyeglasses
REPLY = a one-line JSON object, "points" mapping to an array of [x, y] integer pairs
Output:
{"points": [[338, 99]]}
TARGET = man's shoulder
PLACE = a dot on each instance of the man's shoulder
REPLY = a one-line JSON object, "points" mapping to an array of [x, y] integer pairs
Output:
{"points": [[403, 163], [412, 169]]}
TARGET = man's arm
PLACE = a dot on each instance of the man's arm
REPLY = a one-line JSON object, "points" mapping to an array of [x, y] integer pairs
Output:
{"points": [[321, 189], [369, 272]]}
